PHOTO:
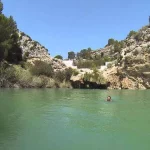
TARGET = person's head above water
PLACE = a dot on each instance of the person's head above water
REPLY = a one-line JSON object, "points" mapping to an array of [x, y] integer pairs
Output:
{"points": [[109, 98]]}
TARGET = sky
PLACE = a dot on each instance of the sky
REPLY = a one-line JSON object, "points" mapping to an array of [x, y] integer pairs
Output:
{"points": [[72, 25]]}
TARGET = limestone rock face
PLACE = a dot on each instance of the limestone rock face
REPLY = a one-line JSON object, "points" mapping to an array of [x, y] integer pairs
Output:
{"points": [[33, 51], [133, 69], [127, 83], [58, 64], [33, 48]]}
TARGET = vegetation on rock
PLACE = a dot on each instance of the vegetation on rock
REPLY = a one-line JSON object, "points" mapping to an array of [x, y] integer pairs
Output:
{"points": [[95, 76], [59, 57], [71, 55]]}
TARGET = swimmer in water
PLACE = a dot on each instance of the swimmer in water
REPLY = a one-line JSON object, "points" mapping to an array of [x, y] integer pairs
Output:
{"points": [[108, 98]]}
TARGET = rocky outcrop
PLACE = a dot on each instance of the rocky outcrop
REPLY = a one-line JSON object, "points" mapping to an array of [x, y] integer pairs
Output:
{"points": [[58, 64], [135, 62], [132, 69], [33, 50]]}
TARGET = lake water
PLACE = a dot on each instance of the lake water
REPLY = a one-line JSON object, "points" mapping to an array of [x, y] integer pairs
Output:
{"points": [[64, 119]]}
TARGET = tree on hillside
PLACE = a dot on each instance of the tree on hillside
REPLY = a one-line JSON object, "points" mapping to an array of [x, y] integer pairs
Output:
{"points": [[1, 7], [132, 33], [59, 57], [71, 55], [111, 42], [118, 46], [9, 48], [89, 49], [85, 53]]}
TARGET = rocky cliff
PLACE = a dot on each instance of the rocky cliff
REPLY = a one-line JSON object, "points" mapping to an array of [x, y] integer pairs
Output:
{"points": [[131, 58], [33, 50], [132, 69]]}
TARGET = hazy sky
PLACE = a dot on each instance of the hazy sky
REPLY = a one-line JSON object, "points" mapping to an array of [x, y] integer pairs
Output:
{"points": [[65, 25]]}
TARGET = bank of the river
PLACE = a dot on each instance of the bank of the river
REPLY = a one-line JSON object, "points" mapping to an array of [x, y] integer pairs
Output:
{"points": [[39, 74]]}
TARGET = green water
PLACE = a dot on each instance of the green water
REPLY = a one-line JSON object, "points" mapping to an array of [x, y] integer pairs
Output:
{"points": [[74, 120]]}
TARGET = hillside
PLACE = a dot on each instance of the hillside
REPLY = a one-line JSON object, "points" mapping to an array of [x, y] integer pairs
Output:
{"points": [[130, 68], [134, 63]]}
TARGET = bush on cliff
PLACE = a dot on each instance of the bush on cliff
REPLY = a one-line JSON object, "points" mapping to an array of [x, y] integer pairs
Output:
{"points": [[7, 75], [64, 75], [95, 76], [59, 57], [138, 36], [132, 33], [118, 46], [111, 42], [84, 53], [41, 68], [71, 55]]}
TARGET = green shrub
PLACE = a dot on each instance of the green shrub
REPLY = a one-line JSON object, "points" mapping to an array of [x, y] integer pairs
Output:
{"points": [[84, 64], [75, 72], [85, 53], [50, 83], [138, 37], [118, 46], [37, 82], [109, 66], [64, 84], [132, 33], [63, 75], [148, 39], [10, 74], [22, 64], [24, 77], [68, 73], [71, 55], [59, 76], [59, 57], [111, 42], [41, 68], [90, 63], [7, 75], [95, 76], [25, 65]]}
